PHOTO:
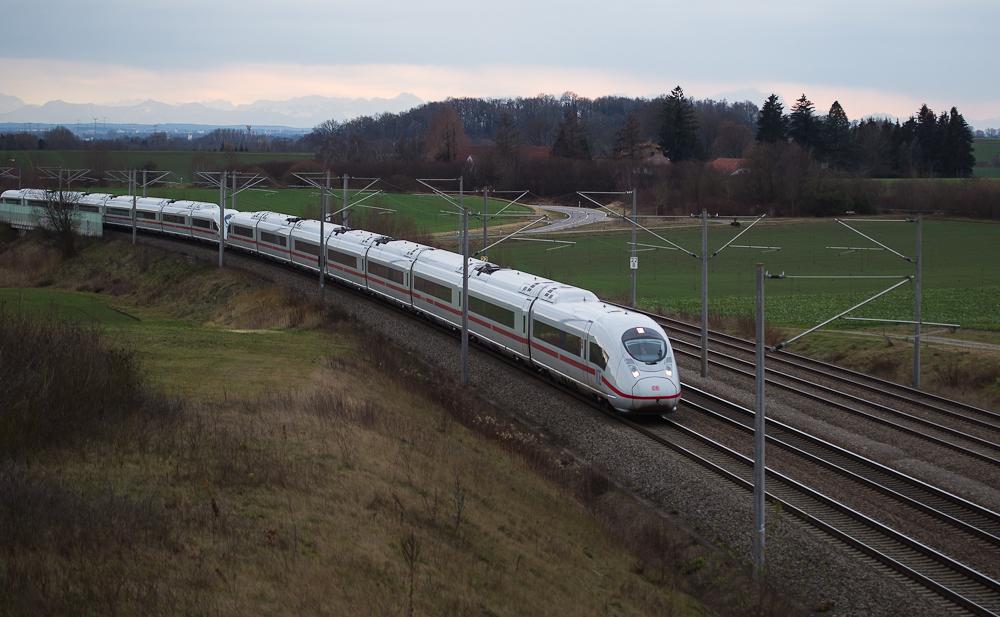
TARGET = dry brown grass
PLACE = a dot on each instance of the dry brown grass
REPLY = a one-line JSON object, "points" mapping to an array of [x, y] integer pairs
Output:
{"points": [[328, 499], [272, 307], [336, 498], [394, 225]]}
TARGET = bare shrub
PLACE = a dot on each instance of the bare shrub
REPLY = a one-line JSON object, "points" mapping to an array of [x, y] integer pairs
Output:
{"points": [[397, 225], [61, 381], [64, 549], [885, 366], [747, 328], [958, 372]]}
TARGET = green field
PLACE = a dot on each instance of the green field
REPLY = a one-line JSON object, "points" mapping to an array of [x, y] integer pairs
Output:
{"points": [[960, 276], [431, 212], [84, 308], [986, 149], [178, 163], [189, 360]]}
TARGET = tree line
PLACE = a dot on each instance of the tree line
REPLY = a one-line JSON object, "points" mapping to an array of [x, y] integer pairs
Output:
{"points": [[924, 145]]}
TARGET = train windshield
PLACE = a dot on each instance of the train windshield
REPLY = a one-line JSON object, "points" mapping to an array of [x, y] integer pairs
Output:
{"points": [[645, 345]]}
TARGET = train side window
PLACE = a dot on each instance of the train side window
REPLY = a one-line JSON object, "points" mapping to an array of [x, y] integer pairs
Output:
{"points": [[598, 356], [305, 247], [385, 272], [343, 259], [432, 288], [491, 311], [273, 239], [556, 337]]}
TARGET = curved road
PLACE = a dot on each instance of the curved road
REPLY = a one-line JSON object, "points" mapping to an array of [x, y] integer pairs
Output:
{"points": [[577, 217]]}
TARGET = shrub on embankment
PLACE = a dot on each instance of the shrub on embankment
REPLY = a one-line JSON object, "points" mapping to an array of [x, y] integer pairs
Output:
{"points": [[60, 381]]}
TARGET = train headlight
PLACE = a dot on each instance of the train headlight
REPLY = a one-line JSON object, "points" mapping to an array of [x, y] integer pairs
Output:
{"points": [[635, 372], [670, 373]]}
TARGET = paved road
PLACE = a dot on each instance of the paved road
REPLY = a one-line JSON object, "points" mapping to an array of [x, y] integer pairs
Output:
{"points": [[577, 217]]}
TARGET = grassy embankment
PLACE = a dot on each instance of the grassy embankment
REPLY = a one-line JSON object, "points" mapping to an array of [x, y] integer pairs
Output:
{"points": [[271, 459]]}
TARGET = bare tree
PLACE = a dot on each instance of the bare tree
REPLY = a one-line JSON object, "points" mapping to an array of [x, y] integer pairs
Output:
{"points": [[628, 139], [446, 136], [60, 218], [733, 140]]}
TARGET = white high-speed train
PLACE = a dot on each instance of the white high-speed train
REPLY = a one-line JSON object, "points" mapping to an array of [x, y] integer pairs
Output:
{"points": [[619, 356]]}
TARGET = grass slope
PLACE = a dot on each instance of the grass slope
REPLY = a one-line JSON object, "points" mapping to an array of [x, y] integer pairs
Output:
{"points": [[308, 470]]}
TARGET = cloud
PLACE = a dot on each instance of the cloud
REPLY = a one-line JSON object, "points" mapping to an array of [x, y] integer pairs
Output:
{"points": [[40, 80]]}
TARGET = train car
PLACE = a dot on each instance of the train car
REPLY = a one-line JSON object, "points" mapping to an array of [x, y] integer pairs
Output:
{"points": [[274, 234], [175, 218], [263, 233], [500, 302], [345, 256], [205, 222], [93, 202], [12, 197], [388, 264], [436, 286], [118, 211], [307, 244], [147, 213], [621, 356]]}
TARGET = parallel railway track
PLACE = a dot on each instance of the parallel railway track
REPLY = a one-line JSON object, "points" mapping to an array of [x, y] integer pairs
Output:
{"points": [[958, 587]]}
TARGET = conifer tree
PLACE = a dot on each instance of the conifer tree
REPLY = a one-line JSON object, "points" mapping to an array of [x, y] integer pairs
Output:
{"points": [[837, 138], [803, 125], [772, 125], [957, 158], [928, 139], [679, 131]]}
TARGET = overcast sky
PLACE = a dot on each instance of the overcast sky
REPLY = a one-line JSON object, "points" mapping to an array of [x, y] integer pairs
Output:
{"points": [[886, 56]]}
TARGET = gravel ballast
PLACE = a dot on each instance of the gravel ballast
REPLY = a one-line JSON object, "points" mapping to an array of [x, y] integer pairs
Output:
{"points": [[819, 571]]}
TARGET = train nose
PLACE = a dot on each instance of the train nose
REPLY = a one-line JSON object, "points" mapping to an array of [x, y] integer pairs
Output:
{"points": [[659, 392]]}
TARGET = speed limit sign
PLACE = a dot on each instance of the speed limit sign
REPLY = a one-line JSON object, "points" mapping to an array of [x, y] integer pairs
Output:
{"points": [[633, 263]]}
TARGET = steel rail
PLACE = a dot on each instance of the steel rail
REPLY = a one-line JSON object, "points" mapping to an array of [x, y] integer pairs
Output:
{"points": [[947, 507], [855, 378], [874, 418], [973, 579], [904, 555]]}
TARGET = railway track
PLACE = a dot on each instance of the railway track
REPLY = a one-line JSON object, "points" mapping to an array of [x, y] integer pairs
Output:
{"points": [[957, 587], [961, 428], [952, 510], [847, 379]]}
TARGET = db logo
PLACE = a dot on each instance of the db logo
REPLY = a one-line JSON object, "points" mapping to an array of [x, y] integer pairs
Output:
{"points": [[656, 388]]}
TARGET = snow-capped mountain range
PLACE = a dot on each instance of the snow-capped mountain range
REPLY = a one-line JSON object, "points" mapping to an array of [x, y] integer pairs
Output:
{"points": [[300, 112]]}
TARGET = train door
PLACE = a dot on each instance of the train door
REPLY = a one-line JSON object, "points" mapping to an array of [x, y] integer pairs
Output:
{"points": [[594, 358], [597, 358]]}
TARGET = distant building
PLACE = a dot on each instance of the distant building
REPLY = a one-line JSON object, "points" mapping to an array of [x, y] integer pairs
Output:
{"points": [[728, 166], [525, 152], [656, 158]]}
